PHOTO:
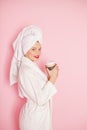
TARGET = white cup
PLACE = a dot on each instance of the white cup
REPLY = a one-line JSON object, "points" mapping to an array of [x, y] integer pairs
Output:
{"points": [[50, 65]]}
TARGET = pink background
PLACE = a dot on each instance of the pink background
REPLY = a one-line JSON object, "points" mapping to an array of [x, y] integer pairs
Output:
{"points": [[64, 25]]}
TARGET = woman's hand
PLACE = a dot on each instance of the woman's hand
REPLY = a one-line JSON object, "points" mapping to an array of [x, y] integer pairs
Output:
{"points": [[52, 74]]}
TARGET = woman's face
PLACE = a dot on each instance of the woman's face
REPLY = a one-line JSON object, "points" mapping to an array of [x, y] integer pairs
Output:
{"points": [[35, 52]]}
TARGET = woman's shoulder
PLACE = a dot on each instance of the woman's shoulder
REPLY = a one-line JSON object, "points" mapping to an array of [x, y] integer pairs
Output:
{"points": [[24, 69]]}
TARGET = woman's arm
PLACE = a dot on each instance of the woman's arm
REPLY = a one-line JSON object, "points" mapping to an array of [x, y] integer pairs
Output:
{"points": [[32, 88]]}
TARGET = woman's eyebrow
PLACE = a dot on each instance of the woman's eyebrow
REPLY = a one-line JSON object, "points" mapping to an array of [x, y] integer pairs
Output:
{"points": [[33, 47], [36, 47]]}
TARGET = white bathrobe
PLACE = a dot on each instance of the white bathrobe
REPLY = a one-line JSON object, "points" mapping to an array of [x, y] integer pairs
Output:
{"points": [[36, 113]]}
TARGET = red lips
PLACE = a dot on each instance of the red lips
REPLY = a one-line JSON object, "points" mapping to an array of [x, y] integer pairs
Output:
{"points": [[36, 56]]}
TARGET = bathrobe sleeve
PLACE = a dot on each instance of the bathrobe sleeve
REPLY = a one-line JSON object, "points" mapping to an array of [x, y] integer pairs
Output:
{"points": [[31, 86]]}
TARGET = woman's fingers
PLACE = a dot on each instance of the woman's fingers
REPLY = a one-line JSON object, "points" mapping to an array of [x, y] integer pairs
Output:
{"points": [[56, 67]]}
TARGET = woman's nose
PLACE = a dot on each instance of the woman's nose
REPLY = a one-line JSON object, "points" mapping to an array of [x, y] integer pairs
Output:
{"points": [[38, 52]]}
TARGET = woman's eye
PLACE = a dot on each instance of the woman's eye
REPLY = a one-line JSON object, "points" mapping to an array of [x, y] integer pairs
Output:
{"points": [[39, 49], [33, 49]]}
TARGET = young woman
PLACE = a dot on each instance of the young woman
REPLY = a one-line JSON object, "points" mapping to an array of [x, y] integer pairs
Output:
{"points": [[33, 84]]}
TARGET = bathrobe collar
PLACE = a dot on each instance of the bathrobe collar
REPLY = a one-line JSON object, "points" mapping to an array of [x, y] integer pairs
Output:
{"points": [[34, 66]]}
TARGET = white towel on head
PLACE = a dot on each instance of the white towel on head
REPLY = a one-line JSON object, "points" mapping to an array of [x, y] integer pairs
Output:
{"points": [[24, 41]]}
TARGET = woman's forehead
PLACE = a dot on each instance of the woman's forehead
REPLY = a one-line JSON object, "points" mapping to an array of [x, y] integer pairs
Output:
{"points": [[37, 44]]}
